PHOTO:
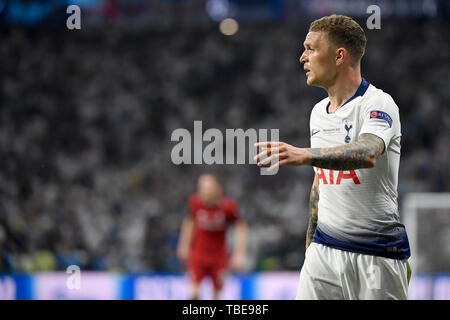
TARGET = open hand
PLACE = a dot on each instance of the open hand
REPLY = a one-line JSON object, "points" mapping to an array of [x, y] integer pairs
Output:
{"points": [[282, 154]]}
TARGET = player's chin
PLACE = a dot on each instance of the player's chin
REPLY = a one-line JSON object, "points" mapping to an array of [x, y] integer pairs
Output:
{"points": [[312, 82]]}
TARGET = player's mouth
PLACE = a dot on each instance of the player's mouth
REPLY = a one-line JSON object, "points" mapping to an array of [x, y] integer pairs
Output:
{"points": [[307, 71]]}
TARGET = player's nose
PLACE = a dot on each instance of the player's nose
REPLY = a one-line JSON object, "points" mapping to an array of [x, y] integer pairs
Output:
{"points": [[303, 57]]}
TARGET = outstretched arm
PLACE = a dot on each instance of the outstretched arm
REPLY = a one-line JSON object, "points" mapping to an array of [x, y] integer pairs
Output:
{"points": [[360, 154], [313, 211]]}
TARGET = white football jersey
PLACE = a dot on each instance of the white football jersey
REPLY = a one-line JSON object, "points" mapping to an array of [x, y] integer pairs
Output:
{"points": [[358, 208]]}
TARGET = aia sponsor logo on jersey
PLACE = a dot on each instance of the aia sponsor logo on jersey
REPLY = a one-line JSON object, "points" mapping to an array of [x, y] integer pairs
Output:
{"points": [[336, 179]]}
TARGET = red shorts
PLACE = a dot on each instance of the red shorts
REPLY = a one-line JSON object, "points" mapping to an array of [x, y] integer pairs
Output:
{"points": [[198, 270]]}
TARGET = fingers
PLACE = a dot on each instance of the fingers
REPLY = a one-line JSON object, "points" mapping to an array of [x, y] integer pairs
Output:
{"points": [[274, 166], [272, 152], [267, 144], [266, 152], [268, 147], [277, 165], [268, 159]]}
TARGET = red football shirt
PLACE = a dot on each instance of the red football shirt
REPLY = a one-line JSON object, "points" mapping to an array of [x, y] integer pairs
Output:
{"points": [[210, 225]]}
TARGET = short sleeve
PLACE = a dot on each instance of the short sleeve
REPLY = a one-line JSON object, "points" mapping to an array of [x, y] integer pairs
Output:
{"points": [[381, 118]]}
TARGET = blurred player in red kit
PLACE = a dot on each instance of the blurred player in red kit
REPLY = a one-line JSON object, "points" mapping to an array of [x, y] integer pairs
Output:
{"points": [[202, 241]]}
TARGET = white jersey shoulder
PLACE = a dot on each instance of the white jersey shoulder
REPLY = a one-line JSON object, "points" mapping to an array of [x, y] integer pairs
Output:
{"points": [[373, 112]]}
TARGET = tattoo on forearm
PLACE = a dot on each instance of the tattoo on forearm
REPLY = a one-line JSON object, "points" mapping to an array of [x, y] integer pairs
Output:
{"points": [[314, 209], [350, 156]]}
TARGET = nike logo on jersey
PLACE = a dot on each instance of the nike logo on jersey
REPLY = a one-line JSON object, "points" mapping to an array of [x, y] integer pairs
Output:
{"points": [[314, 131]]}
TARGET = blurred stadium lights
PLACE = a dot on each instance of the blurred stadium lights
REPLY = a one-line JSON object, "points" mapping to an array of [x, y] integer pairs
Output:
{"points": [[389, 8], [217, 9], [85, 3], [25, 12], [229, 27], [33, 12], [351, 7]]}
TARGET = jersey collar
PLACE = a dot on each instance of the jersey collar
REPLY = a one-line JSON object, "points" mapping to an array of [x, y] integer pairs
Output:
{"points": [[360, 92]]}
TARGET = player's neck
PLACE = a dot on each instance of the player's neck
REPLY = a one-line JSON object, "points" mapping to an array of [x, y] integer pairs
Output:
{"points": [[343, 88], [211, 202]]}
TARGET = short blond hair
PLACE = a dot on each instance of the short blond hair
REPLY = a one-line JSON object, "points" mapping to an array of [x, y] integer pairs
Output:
{"points": [[343, 31]]}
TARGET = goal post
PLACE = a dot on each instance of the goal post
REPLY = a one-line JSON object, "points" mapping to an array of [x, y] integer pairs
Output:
{"points": [[414, 205]]}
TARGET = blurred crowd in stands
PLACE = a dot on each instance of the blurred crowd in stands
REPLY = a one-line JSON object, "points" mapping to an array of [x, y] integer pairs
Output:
{"points": [[85, 135]]}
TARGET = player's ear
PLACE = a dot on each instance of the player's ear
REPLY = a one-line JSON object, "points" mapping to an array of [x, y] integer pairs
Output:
{"points": [[340, 56]]}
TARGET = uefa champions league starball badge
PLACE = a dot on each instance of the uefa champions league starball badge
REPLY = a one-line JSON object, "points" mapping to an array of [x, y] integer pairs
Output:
{"points": [[348, 126]]}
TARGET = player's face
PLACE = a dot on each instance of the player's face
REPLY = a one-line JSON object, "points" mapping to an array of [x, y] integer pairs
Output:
{"points": [[209, 189], [318, 60]]}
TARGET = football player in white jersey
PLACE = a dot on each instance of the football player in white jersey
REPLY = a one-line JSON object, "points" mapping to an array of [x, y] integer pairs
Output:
{"points": [[356, 247]]}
